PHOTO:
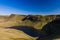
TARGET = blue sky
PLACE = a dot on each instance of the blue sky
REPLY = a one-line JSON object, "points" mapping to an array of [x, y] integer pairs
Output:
{"points": [[44, 7]]}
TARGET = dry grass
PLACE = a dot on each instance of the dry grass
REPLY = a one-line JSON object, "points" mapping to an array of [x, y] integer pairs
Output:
{"points": [[16, 20], [7, 34]]}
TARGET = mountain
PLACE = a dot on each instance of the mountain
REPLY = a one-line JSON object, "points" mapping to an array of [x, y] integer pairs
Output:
{"points": [[37, 21], [25, 27], [51, 31]]}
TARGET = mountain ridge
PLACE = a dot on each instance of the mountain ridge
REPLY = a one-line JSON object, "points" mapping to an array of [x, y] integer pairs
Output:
{"points": [[26, 22]]}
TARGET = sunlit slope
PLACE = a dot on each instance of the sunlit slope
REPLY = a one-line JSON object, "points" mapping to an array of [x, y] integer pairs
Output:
{"points": [[37, 21], [12, 34]]}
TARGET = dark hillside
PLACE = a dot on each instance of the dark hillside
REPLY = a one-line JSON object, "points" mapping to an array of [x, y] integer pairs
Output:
{"points": [[51, 30]]}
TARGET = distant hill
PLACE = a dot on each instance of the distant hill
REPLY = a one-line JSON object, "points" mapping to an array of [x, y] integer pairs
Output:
{"points": [[22, 25], [38, 21]]}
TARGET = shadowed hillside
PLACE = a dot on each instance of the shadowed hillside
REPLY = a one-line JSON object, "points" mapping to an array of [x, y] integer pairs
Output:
{"points": [[37, 21], [29, 27], [51, 30]]}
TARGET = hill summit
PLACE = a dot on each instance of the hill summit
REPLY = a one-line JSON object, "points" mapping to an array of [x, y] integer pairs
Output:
{"points": [[37, 21], [14, 25]]}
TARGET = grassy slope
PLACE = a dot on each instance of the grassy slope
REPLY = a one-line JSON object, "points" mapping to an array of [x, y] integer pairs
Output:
{"points": [[16, 20], [12, 34], [38, 24]]}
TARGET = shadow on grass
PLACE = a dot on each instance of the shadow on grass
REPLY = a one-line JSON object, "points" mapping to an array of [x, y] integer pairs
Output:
{"points": [[28, 30], [51, 30]]}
